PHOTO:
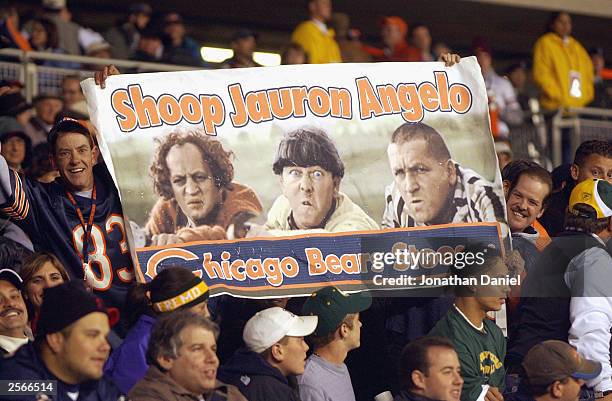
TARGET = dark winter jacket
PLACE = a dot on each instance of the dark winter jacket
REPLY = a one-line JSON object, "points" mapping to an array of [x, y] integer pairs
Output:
{"points": [[26, 364], [257, 379]]}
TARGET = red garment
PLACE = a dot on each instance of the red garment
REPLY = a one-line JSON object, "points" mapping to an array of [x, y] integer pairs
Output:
{"points": [[166, 216], [606, 73], [402, 52]]}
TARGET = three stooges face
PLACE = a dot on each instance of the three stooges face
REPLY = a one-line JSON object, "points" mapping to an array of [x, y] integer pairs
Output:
{"points": [[310, 172]]}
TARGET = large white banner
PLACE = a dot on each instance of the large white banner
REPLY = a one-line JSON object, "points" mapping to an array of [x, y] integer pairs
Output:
{"points": [[279, 179]]}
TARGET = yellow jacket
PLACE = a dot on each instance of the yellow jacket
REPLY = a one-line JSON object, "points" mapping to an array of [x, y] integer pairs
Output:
{"points": [[553, 61], [321, 47]]}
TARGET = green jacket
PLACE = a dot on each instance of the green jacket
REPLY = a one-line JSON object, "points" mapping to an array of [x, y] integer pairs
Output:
{"points": [[481, 354]]}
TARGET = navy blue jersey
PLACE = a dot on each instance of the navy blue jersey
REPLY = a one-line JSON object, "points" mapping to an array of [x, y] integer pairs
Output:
{"points": [[46, 214]]}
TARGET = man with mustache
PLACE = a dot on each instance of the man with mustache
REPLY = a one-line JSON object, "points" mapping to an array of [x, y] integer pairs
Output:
{"points": [[70, 348], [13, 314], [528, 188], [430, 370], [182, 354]]}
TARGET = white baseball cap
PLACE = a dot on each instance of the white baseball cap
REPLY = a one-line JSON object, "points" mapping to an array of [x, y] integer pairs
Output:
{"points": [[270, 325]]}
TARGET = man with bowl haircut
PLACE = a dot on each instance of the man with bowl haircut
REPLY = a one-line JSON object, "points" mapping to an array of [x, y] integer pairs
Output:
{"points": [[310, 171], [338, 331], [70, 347], [429, 370], [555, 371], [275, 353], [430, 188]]}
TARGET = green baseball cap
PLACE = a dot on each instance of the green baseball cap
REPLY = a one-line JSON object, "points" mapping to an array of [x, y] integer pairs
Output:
{"points": [[331, 306]]}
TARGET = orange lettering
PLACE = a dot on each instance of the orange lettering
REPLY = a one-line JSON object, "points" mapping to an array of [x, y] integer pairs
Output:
{"points": [[164, 254], [409, 99], [169, 109], [369, 104], [316, 265], [318, 100], [145, 107], [126, 118], [460, 98], [213, 113], [281, 103], [258, 108], [429, 96], [190, 107]]}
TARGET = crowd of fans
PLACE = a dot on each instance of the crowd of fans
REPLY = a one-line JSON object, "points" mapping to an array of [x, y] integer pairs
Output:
{"points": [[151, 342]]}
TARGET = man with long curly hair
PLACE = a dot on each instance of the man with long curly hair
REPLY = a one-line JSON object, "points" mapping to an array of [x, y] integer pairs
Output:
{"points": [[193, 174]]}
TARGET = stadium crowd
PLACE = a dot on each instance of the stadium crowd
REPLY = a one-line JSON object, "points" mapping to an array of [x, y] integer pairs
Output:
{"points": [[106, 337]]}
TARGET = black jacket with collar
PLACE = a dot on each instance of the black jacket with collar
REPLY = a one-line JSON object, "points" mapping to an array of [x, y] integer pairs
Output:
{"points": [[257, 379]]}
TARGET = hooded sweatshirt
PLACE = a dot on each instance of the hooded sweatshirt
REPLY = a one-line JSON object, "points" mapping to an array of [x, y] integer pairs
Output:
{"points": [[256, 379]]}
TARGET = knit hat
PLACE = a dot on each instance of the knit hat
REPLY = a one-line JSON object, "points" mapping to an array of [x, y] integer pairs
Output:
{"points": [[65, 304], [595, 195], [331, 306], [396, 21], [270, 325], [193, 292], [555, 360]]}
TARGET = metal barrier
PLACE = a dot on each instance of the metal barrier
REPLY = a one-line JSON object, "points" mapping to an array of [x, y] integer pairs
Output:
{"points": [[528, 141], [23, 66], [579, 125]]}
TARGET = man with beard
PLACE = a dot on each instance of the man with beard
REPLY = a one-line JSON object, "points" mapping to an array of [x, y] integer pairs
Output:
{"points": [[527, 187]]}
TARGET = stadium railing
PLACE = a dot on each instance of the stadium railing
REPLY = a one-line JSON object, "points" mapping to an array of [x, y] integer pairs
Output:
{"points": [[528, 141], [38, 79], [579, 124]]}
